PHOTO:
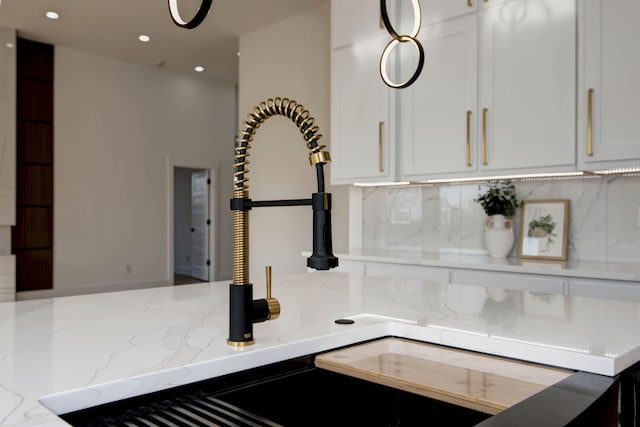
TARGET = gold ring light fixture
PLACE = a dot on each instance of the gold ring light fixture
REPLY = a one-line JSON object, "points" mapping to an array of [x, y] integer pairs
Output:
{"points": [[193, 22], [397, 39]]}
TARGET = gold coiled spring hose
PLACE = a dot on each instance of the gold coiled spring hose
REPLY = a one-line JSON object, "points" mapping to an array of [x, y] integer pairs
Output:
{"points": [[269, 108]]}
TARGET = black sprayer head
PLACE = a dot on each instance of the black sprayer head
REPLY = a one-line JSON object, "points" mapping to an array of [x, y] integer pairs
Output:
{"points": [[322, 257]]}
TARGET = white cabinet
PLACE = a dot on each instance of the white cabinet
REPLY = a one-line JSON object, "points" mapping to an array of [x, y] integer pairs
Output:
{"points": [[609, 90], [522, 282], [355, 20], [527, 65], [619, 290], [437, 11], [438, 112], [405, 271], [496, 94], [362, 142], [363, 139], [550, 283]]}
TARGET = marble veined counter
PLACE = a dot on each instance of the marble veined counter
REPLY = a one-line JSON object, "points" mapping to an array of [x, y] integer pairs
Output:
{"points": [[583, 269], [67, 353]]}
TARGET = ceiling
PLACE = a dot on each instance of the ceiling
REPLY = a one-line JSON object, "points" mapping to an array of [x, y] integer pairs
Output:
{"points": [[111, 28]]}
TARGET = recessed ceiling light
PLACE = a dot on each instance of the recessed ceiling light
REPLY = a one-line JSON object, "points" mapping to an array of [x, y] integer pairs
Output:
{"points": [[52, 15], [199, 68], [9, 45], [144, 38]]}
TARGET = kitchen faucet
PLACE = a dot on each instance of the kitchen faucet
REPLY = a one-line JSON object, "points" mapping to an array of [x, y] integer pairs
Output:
{"points": [[244, 311]]}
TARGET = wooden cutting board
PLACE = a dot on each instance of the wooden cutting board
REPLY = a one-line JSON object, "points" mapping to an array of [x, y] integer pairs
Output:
{"points": [[477, 381]]}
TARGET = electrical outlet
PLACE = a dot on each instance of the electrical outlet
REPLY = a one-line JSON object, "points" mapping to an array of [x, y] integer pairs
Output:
{"points": [[128, 269], [400, 216]]}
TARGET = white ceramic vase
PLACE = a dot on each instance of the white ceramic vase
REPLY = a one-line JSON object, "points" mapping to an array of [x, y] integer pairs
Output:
{"points": [[499, 236]]}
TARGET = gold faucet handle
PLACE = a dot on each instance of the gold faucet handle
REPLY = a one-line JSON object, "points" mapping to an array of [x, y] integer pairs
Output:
{"points": [[274, 304]]}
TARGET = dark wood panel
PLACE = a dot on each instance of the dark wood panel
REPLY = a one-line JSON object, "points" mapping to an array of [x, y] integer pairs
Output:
{"points": [[32, 236], [35, 100], [35, 143], [34, 228], [35, 185], [35, 59], [34, 269]]}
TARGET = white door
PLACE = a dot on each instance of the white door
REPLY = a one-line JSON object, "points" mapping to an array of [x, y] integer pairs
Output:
{"points": [[438, 110], [527, 85], [611, 69], [199, 225], [361, 143]]}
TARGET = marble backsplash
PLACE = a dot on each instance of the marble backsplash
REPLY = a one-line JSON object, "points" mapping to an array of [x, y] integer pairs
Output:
{"points": [[604, 217]]}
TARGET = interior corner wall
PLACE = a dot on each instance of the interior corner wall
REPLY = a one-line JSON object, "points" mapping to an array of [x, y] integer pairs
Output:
{"points": [[290, 59], [118, 125]]}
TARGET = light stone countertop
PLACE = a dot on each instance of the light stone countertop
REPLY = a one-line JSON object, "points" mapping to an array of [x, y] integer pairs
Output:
{"points": [[580, 269], [79, 351]]}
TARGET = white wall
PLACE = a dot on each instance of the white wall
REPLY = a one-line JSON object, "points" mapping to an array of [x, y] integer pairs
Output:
{"points": [[7, 127], [289, 59], [119, 129], [7, 161]]}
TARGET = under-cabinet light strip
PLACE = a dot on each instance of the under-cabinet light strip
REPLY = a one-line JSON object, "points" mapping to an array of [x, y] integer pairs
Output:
{"points": [[382, 184], [516, 340], [515, 176], [541, 344], [617, 171], [635, 171], [464, 331]]}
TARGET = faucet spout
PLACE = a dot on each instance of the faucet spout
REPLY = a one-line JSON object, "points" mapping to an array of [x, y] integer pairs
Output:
{"points": [[244, 311], [322, 257]]}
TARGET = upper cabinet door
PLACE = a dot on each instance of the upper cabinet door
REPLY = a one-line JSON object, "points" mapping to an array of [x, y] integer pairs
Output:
{"points": [[491, 3], [362, 147], [437, 120], [526, 116], [354, 21], [609, 94], [436, 11]]}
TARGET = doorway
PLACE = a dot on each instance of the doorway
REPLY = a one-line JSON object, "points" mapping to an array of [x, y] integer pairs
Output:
{"points": [[191, 225]]}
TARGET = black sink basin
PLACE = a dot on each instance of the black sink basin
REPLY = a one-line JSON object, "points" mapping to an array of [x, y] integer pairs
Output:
{"points": [[290, 393]]}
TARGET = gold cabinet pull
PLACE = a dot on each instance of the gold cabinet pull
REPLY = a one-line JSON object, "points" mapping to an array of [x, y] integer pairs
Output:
{"points": [[590, 122], [468, 138], [484, 136], [380, 129]]}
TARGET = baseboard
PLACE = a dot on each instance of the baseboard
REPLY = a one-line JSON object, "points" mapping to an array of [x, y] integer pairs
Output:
{"points": [[92, 289]]}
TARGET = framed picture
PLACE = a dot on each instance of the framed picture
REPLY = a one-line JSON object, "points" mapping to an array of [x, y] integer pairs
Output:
{"points": [[544, 225]]}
